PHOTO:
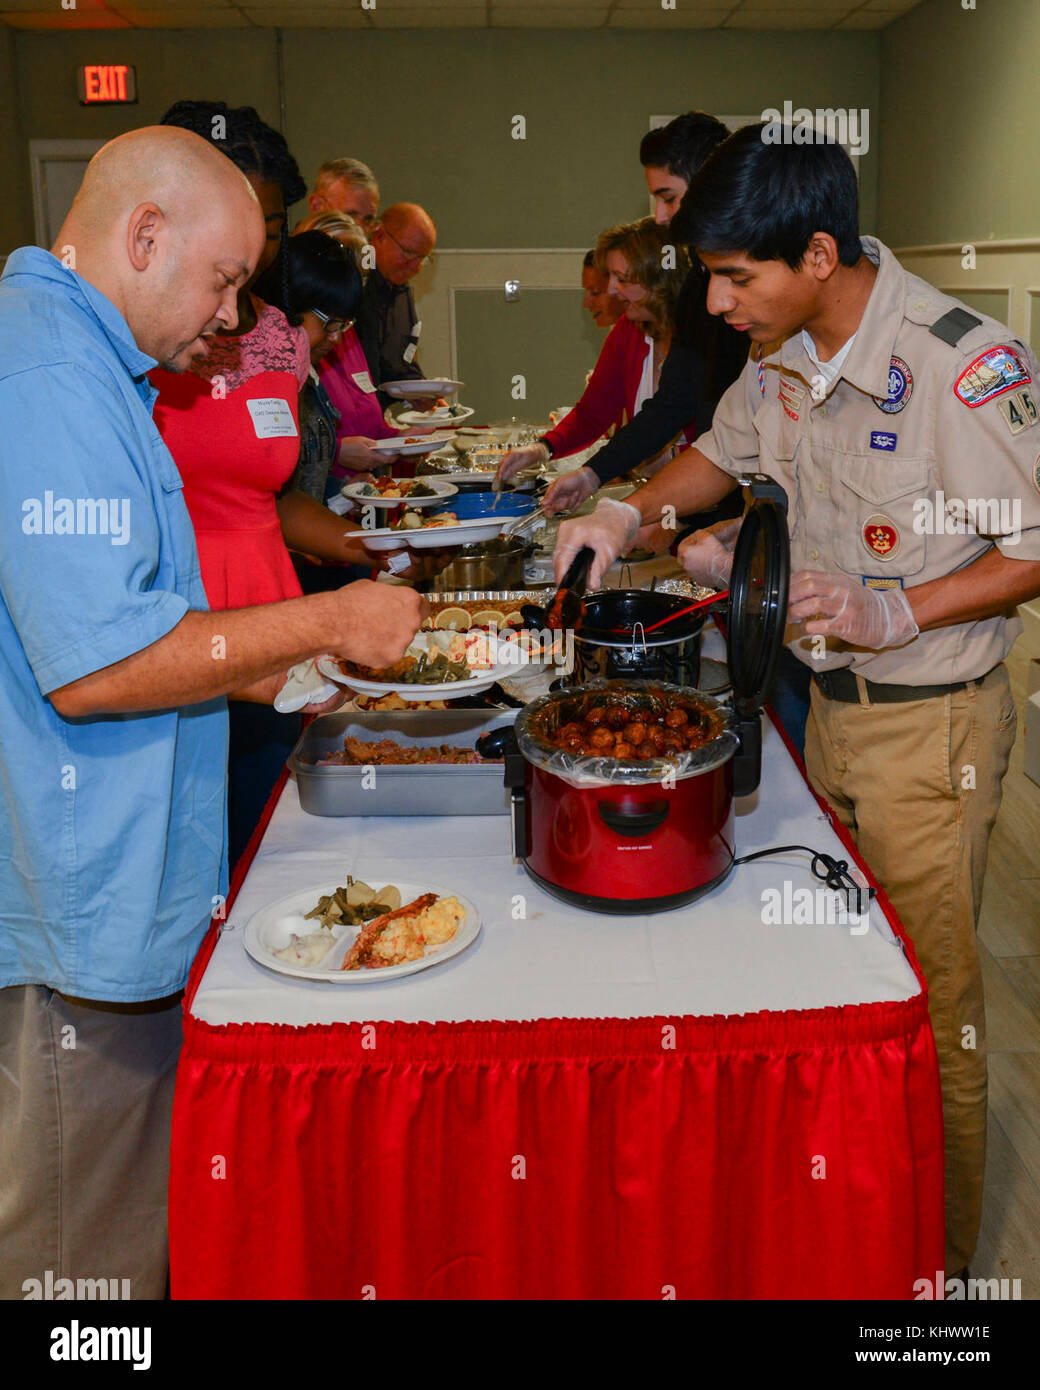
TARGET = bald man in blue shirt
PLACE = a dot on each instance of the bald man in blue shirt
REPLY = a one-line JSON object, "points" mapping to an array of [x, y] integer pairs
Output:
{"points": [[113, 722]]}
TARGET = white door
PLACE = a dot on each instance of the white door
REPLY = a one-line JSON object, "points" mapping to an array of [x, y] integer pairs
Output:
{"points": [[57, 169]]}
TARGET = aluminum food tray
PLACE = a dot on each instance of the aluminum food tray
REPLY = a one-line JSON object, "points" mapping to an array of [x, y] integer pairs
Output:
{"points": [[448, 789]]}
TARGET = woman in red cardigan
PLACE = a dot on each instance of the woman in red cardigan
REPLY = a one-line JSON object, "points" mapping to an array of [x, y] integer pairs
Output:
{"points": [[645, 271]]}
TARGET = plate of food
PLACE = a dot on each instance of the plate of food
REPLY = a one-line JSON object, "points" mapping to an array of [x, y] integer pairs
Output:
{"points": [[443, 415], [352, 933], [418, 388], [440, 664], [436, 532], [391, 492], [414, 443]]}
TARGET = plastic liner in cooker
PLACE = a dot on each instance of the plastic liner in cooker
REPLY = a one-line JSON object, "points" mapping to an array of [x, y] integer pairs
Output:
{"points": [[551, 712]]}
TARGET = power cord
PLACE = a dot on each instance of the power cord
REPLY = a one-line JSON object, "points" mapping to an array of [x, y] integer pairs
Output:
{"points": [[834, 873]]}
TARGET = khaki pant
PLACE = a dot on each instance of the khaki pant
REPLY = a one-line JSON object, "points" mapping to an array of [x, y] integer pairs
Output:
{"points": [[86, 1092], [918, 785]]}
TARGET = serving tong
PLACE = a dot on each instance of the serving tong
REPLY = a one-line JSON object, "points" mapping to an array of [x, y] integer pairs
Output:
{"points": [[567, 606]]}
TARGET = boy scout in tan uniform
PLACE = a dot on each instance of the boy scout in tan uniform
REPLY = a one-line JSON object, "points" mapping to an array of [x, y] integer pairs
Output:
{"points": [[909, 745], [934, 405]]}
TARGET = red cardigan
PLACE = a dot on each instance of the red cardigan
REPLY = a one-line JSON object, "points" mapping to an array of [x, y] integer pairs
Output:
{"points": [[610, 397]]}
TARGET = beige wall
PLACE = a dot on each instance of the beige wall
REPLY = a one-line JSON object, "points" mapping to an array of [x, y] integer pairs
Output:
{"points": [[959, 113], [431, 110]]}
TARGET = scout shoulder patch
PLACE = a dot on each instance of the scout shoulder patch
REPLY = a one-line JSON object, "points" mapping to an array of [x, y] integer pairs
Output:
{"points": [[999, 369], [900, 388], [1019, 411], [1036, 472]]}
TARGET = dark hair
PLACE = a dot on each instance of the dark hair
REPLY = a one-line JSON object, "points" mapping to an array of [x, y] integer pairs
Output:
{"points": [[764, 195], [684, 144], [589, 262], [319, 274], [249, 142]]}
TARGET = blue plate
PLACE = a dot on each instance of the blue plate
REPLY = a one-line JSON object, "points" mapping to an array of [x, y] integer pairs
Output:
{"points": [[474, 506]]}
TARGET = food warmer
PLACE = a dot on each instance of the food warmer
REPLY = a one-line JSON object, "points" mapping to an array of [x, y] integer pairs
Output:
{"points": [[627, 835]]}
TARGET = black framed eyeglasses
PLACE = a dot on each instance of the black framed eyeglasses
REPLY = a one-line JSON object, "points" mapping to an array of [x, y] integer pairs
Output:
{"points": [[334, 328]]}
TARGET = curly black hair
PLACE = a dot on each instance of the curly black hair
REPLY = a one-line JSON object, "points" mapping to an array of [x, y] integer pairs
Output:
{"points": [[249, 142]]}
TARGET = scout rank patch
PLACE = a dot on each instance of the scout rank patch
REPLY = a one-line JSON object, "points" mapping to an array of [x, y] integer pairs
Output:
{"points": [[1019, 411], [791, 396], [999, 369], [881, 537], [900, 388]]}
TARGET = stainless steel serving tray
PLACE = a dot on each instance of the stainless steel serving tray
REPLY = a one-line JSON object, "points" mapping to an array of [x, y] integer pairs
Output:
{"points": [[448, 789]]}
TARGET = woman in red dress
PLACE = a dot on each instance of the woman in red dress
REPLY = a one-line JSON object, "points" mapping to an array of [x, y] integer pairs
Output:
{"points": [[232, 426]]}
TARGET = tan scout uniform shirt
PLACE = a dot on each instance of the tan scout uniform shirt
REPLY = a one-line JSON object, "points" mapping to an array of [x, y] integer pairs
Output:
{"points": [[911, 427]]}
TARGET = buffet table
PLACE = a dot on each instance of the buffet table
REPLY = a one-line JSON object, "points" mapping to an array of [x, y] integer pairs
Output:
{"points": [[697, 1104]]}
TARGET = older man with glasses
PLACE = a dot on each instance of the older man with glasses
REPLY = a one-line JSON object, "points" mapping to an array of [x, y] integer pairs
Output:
{"points": [[403, 242]]}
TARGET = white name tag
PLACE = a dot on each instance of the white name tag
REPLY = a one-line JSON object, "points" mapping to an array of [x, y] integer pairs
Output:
{"points": [[409, 352], [363, 381], [272, 417], [417, 329]]}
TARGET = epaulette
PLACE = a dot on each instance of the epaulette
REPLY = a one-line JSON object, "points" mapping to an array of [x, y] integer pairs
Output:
{"points": [[954, 325]]}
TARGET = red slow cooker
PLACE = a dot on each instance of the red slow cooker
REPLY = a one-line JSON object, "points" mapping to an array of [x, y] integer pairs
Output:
{"points": [[651, 828]]}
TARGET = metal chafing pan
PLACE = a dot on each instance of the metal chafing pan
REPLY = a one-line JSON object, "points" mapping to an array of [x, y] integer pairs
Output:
{"points": [[447, 789]]}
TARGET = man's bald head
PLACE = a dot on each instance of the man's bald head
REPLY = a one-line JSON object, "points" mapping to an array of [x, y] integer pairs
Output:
{"points": [[403, 241], [167, 227]]}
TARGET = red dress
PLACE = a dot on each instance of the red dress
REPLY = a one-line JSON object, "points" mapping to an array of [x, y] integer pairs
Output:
{"points": [[232, 426]]}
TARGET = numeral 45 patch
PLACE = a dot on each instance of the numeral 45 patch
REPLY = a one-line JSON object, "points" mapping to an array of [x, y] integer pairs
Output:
{"points": [[1019, 411]]}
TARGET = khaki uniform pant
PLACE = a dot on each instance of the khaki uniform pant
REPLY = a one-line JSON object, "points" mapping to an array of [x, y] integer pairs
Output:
{"points": [[918, 785], [86, 1093]]}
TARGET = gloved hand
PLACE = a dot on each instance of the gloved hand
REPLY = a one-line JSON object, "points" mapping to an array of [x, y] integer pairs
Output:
{"points": [[517, 459], [707, 556], [836, 605], [570, 491], [610, 531]]}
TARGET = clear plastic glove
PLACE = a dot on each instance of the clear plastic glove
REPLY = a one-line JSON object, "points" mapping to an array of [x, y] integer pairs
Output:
{"points": [[707, 556], [836, 605], [610, 531], [517, 459], [570, 491]]}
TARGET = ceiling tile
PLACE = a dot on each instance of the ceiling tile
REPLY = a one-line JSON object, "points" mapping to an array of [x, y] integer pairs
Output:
{"points": [[278, 18], [538, 17], [65, 19], [427, 17], [213, 17], [784, 19], [864, 20], [656, 18]]}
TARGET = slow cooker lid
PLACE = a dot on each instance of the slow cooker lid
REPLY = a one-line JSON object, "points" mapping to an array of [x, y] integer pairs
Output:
{"points": [[758, 594]]}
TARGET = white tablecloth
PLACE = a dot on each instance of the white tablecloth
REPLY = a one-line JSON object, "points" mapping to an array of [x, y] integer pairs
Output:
{"points": [[716, 956]]}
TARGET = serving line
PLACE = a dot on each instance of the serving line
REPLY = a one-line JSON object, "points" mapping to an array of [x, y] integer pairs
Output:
{"points": [[576, 1106], [716, 956]]}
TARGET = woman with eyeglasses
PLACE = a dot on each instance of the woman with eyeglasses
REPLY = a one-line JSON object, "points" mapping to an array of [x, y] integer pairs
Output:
{"points": [[232, 424], [346, 377]]}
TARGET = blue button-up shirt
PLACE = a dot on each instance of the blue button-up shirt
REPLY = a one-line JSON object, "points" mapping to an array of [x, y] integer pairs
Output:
{"points": [[112, 828]]}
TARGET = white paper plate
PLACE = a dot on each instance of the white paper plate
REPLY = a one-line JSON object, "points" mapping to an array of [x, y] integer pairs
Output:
{"points": [[410, 388], [273, 926], [443, 489], [446, 690], [438, 417], [424, 444], [435, 537]]}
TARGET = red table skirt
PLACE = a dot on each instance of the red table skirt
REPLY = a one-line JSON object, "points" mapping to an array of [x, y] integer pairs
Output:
{"points": [[772, 1155]]}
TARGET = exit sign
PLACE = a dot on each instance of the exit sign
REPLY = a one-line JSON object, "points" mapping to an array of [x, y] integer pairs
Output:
{"points": [[107, 84]]}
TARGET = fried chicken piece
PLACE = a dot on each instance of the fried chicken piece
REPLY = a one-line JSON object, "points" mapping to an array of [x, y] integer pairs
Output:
{"points": [[363, 948]]}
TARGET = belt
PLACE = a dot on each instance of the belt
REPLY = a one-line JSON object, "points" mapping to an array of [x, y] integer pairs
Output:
{"points": [[842, 685]]}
